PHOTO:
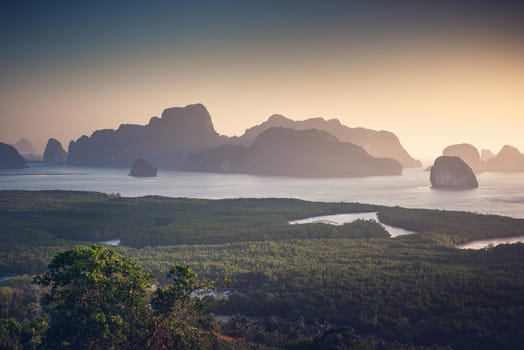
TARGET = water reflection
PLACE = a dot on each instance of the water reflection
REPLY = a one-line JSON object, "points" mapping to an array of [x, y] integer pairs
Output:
{"points": [[481, 244], [112, 242], [340, 219]]}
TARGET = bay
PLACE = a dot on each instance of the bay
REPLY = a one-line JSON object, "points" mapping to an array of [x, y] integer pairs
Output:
{"points": [[497, 193]]}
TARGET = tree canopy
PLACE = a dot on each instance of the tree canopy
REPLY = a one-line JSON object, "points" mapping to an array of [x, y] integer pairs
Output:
{"points": [[96, 300]]}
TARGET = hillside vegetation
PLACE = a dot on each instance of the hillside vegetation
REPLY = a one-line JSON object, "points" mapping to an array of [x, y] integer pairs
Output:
{"points": [[295, 286]]}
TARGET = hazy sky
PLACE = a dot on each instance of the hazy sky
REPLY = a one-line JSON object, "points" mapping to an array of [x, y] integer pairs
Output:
{"points": [[433, 74]]}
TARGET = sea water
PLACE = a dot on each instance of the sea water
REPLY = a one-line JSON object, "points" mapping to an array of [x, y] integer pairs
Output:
{"points": [[501, 194]]}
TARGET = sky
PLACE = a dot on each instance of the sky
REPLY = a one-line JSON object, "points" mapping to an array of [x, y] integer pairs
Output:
{"points": [[433, 72]]}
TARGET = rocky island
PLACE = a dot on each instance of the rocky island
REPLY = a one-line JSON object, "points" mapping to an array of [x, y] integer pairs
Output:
{"points": [[508, 160], [54, 153], [182, 132], [142, 168], [450, 172], [10, 158], [380, 144], [166, 141], [288, 152], [468, 153]]}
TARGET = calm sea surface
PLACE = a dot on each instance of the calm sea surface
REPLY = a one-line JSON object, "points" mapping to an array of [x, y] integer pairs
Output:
{"points": [[497, 194]]}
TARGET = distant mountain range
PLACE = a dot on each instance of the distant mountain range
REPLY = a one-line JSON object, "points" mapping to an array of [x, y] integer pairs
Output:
{"points": [[382, 144], [184, 138], [166, 142], [288, 152], [508, 160], [54, 153]]}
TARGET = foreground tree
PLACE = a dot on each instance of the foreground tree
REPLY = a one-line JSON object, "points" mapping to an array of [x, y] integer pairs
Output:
{"points": [[177, 321], [96, 300]]}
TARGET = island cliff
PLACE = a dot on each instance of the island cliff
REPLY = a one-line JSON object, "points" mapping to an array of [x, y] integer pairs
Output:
{"points": [[180, 132], [450, 172], [166, 141], [54, 153], [508, 160], [468, 153], [380, 144], [288, 152], [142, 168], [10, 158]]}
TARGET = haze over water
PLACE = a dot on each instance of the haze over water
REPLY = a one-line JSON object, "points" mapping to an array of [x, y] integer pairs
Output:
{"points": [[497, 193]]}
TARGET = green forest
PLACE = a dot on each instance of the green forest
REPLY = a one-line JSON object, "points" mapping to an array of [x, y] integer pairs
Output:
{"points": [[310, 286]]}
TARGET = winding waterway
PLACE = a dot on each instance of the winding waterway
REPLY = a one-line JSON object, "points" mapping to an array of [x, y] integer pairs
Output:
{"points": [[340, 219]]}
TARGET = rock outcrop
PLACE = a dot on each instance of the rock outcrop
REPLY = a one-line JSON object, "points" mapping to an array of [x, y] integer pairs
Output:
{"points": [[486, 155], [508, 160], [181, 132], [468, 153], [10, 158], [450, 172], [288, 152], [381, 144], [142, 168], [24, 146], [229, 159], [54, 153], [165, 141]]}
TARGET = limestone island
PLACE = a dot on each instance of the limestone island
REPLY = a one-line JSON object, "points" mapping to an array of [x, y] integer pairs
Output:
{"points": [[142, 168], [10, 158], [452, 173]]}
